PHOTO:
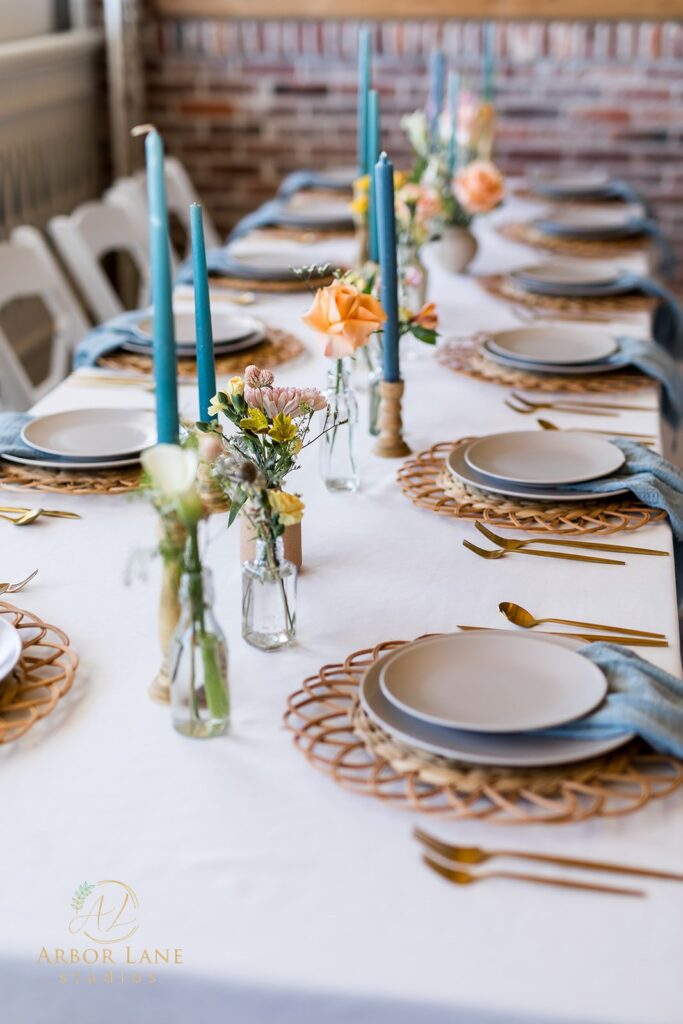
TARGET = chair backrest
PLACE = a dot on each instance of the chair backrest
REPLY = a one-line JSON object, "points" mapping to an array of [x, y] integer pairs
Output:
{"points": [[180, 194], [28, 269], [91, 232]]}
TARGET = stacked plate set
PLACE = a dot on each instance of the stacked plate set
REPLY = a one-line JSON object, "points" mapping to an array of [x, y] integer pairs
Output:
{"points": [[231, 333], [86, 439], [484, 697], [537, 466]]}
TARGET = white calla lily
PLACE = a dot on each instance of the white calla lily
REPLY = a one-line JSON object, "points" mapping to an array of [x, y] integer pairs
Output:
{"points": [[171, 469]]}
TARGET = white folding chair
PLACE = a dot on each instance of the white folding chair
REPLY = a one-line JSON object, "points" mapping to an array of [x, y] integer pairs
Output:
{"points": [[84, 238], [29, 270], [180, 194], [128, 194]]}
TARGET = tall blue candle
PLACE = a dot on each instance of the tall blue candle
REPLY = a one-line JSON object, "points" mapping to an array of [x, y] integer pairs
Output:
{"points": [[373, 148], [453, 98], [436, 81], [489, 61], [164, 350], [386, 218], [364, 79], [206, 367]]}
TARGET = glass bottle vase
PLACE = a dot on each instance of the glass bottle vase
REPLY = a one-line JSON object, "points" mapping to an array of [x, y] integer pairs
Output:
{"points": [[338, 457], [269, 597], [200, 699]]}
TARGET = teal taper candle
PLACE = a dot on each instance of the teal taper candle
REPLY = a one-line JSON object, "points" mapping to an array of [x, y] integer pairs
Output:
{"points": [[453, 98], [489, 61], [364, 80], [435, 102], [164, 349], [206, 367], [373, 142], [386, 220]]}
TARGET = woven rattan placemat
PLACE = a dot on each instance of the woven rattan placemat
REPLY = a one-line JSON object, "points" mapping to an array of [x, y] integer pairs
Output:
{"points": [[528, 234]]}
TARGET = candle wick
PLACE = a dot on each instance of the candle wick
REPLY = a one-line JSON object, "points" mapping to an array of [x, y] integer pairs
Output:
{"points": [[142, 129]]}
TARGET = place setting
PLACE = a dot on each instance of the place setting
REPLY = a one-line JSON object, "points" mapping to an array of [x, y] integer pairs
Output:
{"points": [[81, 450]]}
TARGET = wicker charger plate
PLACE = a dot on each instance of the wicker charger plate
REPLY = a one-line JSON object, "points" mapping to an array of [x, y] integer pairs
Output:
{"points": [[465, 355], [527, 234], [427, 482], [14, 477], [258, 285], [279, 347], [335, 735], [43, 676], [502, 287]]}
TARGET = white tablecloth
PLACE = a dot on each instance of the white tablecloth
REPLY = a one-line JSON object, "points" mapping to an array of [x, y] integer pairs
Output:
{"points": [[291, 899]]}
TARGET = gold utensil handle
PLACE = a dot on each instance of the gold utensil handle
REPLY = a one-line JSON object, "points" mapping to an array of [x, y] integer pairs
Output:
{"points": [[588, 865], [603, 405], [594, 546], [625, 641], [610, 629], [565, 554], [564, 883]]}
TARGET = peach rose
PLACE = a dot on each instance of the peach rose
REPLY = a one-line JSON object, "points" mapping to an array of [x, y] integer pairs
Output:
{"points": [[427, 317], [479, 187], [346, 316]]}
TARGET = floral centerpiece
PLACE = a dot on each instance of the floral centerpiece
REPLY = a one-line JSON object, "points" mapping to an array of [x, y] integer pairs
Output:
{"points": [[360, 206], [419, 213], [250, 465], [198, 654], [346, 316]]}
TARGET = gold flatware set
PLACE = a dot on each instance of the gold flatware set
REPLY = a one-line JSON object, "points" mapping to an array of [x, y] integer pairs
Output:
{"points": [[519, 403], [449, 858], [646, 439], [26, 516], [509, 544]]}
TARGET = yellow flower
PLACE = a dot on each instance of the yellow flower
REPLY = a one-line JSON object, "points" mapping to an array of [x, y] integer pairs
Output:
{"points": [[297, 446], [256, 422], [217, 404], [400, 178], [235, 386], [283, 428], [360, 205], [362, 184], [289, 508]]}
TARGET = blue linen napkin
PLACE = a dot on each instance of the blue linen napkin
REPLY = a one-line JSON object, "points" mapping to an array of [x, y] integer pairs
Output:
{"points": [[667, 257], [618, 189], [651, 478], [266, 216], [667, 326], [641, 698], [299, 181], [107, 337], [654, 361]]}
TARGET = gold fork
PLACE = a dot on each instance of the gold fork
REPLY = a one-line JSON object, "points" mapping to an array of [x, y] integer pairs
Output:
{"points": [[590, 408], [14, 588], [502, 552], [55, 513], [517, 545], [475, 855], [646, 439], [468, 877]]}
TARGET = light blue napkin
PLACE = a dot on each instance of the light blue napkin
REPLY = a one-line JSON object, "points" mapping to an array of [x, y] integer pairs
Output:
{"points": [[641, 698], [656, 482], [107, 337], [299, 181], [667, 257], [654, 361], [668, 319], [622, 190], [266, 216]]}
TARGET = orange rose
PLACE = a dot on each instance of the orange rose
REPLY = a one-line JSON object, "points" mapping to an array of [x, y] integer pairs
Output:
{"points": [[427, 317], [479, 187], [347, 316]]}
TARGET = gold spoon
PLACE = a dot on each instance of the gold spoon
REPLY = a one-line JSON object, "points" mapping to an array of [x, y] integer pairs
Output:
{"points": [[56, 513], [521, 617], [27, 518], [590, 638], [468, 877]]}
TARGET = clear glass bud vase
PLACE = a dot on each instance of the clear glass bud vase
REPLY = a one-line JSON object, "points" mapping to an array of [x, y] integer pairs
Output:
{"points": [[200, 700], [338, 459], [269, 597]]}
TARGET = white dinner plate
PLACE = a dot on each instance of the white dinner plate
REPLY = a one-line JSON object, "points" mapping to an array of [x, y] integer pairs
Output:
{"points": [[545, 458], [226, 328], [562, 344], [84, 464], [456, 464], [617, 361], [92, 433], [569, 272], [525, 750], [483, 682], [277, 261], [190, 352], [576, 184], [10, 647]]}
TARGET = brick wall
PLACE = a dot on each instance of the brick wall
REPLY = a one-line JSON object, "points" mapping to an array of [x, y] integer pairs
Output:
{"points": [[242, 103]]}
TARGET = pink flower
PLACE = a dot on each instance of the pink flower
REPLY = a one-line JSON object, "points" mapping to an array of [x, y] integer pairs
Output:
{"points": [[292, 402], [257, 378]]}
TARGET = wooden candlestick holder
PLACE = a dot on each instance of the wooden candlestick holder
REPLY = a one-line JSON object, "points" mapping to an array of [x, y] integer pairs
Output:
{"points": [[390, 443]]}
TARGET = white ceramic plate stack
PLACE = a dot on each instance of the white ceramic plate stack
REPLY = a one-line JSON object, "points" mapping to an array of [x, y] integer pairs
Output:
{"points": [[87, 439], [560, 350], [536, 465], [482, 697], [10, 649], [231, 333]]}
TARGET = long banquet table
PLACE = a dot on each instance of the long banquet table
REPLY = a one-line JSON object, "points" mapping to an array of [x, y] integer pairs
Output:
{"points": [[292, 899]]}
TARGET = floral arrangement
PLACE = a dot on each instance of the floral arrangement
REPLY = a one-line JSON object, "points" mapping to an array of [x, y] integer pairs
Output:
{"points": [[477, 188], [361, 188], [419, 212], [422, 324]]}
